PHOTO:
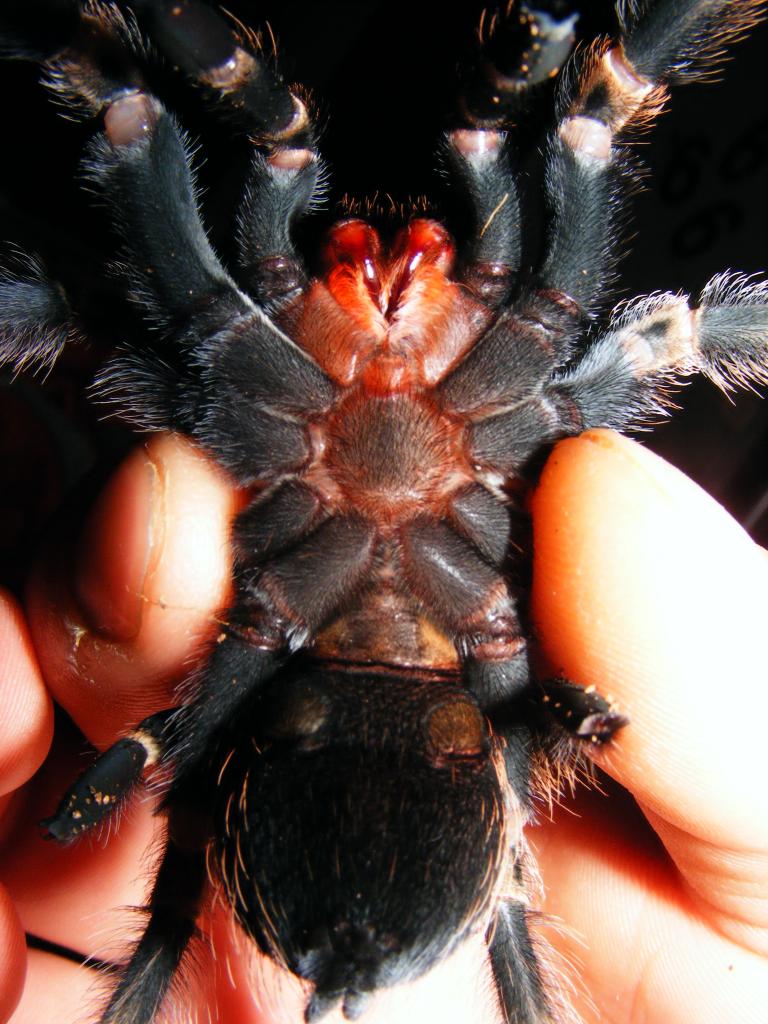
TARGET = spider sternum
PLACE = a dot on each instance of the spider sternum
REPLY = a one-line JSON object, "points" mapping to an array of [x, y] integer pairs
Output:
{"points": [[388, 458]]}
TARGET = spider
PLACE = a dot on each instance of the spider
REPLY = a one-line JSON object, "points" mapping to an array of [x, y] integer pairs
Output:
{"points": [[386, 417]]}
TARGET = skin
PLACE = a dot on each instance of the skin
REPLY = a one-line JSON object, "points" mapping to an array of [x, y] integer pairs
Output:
{"points": [[643, 586]]}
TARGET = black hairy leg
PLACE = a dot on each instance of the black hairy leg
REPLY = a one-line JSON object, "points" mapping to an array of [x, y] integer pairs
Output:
{"points": [[104, 787], [351, 766], [515, 965], [173, 908]]}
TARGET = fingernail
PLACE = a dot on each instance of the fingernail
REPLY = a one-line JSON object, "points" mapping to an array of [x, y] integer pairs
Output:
{"points": [[113, 554]]}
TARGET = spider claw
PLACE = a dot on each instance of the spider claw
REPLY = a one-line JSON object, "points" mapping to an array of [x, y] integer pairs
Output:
{"points": [[582, 711], [602, 727]]}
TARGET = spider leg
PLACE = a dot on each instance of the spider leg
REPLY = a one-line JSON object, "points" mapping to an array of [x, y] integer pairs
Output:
{"points": [[270, 526], [108, 783], [36, 321], [141, 161], [490, 257], [521, 50], [624, 378], [276, 609], [282, 186], [528, 992], [515, 357], [142, 166], [305, 585], [524, 49], [273, 386], [515, 967], [502, 385], [242, 85], [621, 86], [242, 659], [523, 996], [581, 711], [470, 599], [246, 90], [173, 907]]}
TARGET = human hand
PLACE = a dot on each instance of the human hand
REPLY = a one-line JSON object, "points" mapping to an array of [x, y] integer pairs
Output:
{"points": [[112, 659], [115, 618], [646, 588]]}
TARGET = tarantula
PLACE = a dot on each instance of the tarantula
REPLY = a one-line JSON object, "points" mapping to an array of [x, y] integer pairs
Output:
{"points": [[386, 417]]}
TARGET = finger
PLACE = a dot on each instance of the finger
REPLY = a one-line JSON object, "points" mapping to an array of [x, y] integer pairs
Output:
{"points": [[644, 587], [56, 991], [77, 895], [26, 723], [13, 956], [637, 945], [116, 616]]}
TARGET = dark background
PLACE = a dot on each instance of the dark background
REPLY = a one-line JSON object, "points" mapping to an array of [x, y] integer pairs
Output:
{"points": [[384, 76]]}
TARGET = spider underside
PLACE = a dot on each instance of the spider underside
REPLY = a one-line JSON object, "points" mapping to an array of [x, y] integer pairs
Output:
{"points": [[366, 716]]}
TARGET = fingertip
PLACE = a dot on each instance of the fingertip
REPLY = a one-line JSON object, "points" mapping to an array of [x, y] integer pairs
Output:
{"points": [[646, 588], [634, 560], [601, 489], [116, 624]]}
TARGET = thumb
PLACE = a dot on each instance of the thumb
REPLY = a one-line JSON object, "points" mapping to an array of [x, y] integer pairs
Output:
{"points": [[646, 588]]}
